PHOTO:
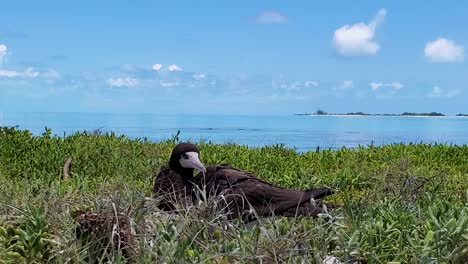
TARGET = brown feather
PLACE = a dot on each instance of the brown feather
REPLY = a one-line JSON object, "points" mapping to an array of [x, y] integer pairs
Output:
{"points": [[172, 189]]}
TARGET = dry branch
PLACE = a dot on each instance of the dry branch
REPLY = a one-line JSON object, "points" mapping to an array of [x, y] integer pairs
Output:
{"points": [[66, 168]]}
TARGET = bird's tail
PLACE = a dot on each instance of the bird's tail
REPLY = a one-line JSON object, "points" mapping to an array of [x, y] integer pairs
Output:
{"points": [[319, 193], [309, 207]]}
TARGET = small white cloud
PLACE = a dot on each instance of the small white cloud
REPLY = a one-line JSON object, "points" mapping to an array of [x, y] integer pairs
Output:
{"points": [[375, 86], [438, 92], [292, 85], [199, 76], [122, 82], [168, 84], [157, 67], [311, 84], [271, 17], [28, 73], [174, 67], [3, 52], [444, 50], [396, 85], [347, 84], [358, 39]]}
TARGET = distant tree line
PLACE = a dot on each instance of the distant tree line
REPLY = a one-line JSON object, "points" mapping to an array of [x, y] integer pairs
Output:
{"points": [[322, 112], [422, 114]]}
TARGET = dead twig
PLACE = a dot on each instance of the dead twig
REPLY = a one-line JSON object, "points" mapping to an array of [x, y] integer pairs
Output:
{"points": [[66, 168]]}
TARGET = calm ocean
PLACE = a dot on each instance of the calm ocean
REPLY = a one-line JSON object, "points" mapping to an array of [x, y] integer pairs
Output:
{"points": [[302, 132]]}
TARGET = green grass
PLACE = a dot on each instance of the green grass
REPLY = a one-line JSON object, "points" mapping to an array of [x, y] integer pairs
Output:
{"points": [[402, 203]]}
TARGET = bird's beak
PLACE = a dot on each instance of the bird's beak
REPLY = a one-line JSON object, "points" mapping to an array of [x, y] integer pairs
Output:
{"points": [[193, 162]]}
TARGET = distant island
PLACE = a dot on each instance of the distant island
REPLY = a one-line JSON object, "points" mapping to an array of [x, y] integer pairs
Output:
{"points": [[323, 113]]}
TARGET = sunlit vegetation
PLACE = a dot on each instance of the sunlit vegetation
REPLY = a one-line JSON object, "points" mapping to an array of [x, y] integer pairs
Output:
{"points": [[401, 203]]}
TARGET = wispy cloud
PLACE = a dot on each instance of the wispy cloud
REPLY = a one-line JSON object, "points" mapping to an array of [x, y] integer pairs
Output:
{"points": [[271, 17], [396, 85], [123, 82], [376, 86], [199, 76], [438, 92], [157, 67], [51, 74], [168, 84], [174, 67], [311, 84], [171, 68], [384, 90], [28, 73], [289, 85], [3, 52], [347, 84], [443, 50], [358, 39]]}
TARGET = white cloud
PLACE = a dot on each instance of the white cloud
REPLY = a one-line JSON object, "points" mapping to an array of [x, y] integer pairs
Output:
{"points": [[50, 74], [358, 39], [311, 84], [122, 82], [347, 84], [174, 67], [295, 86], [3, 52], [444, 50], [396, 85], [157, 67], [438, 92], [271, 17], [28, 73], [375, 86], [199, 76], [168, 84], [292, 85]]}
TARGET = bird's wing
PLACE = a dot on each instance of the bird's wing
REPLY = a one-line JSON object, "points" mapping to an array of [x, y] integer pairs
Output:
{"points": [[171, 189], [239, 186], [219, 178], [266, 197]]}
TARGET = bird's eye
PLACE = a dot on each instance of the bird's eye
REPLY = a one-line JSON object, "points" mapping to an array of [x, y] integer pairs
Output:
{"points": [[184, 156]]}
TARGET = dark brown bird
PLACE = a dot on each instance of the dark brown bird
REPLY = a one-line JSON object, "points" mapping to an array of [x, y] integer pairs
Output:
{"points": [[238, 190], [174, 183]]}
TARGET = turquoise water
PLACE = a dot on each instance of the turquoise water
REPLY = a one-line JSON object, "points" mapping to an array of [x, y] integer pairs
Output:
{"points": [[302, 132]]}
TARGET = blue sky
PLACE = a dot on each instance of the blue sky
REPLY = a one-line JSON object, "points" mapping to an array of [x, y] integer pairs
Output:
{"points": [[238, 57]]}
